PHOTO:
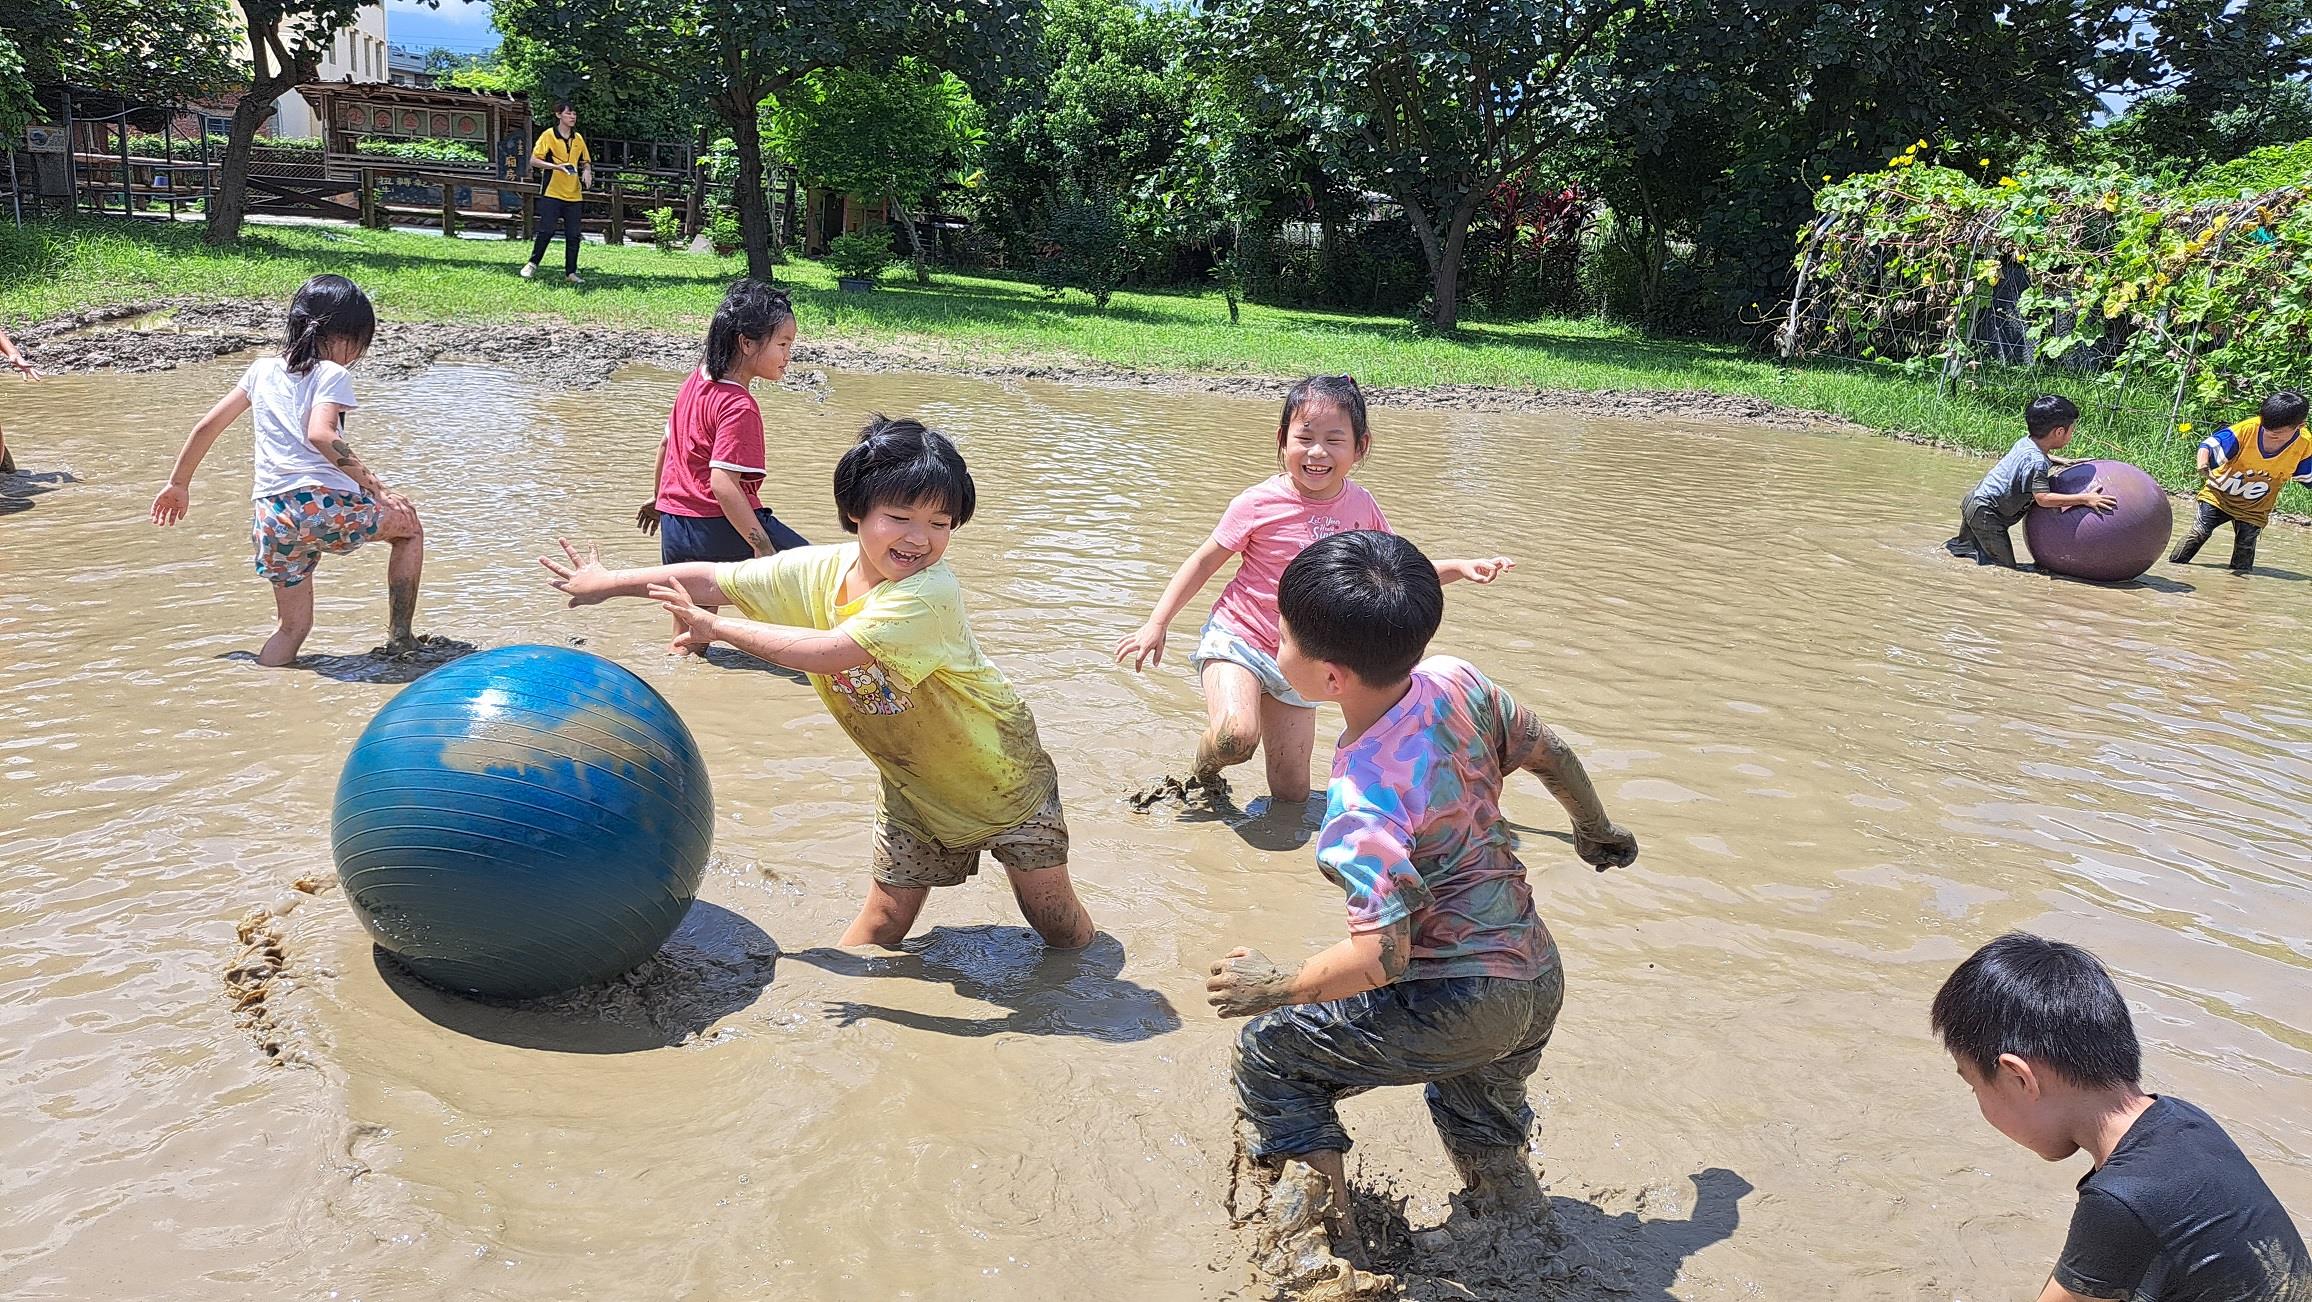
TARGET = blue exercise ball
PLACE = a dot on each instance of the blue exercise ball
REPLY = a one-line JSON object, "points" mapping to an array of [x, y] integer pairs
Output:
{"points": [[523, 821]]}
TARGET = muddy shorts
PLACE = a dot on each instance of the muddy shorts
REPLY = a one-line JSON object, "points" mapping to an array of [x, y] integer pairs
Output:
{"points": [[1982, 536], [1474, 1041], [2212, 518], [1219, 643], [292, 531], [907, 861]]}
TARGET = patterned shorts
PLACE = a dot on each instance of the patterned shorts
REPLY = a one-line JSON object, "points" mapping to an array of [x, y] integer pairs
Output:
{"points": [[1219, 643], [292, 531], [905, 860]]}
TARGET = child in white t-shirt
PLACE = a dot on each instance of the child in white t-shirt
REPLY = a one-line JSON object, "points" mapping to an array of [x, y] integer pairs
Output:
{"points": [[312, 497]]}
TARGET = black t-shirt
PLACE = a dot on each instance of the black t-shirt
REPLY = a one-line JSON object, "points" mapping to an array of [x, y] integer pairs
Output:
{"points": [[2178, 1215]]}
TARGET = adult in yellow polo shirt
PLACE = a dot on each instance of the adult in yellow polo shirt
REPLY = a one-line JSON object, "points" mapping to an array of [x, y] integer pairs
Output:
{"points": [[2245, 466], [560, 155]]}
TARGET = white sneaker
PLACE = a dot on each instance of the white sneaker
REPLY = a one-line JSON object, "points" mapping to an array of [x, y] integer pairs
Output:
{"points": [[529, 269], [573, 278]]}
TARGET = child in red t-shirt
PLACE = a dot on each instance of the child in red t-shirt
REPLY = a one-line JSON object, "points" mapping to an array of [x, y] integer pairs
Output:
{"points": [[710, 468]]}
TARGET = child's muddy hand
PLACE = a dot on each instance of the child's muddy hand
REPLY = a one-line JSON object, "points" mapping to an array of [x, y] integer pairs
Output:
{"points": [[1245, 982], [172, 503], [646, 519], [1144, 644], [1487, 569], [583, 578], [694, 626], [1610, 847]]}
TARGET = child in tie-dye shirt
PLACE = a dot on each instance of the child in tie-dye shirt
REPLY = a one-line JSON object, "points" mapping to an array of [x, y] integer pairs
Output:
{"points": [[1448, 978]]}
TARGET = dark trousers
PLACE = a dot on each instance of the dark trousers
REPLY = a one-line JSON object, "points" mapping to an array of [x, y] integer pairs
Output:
{"points": [[1473, 1041], [710, 538], [564, 213], [1982, 535], [2244, 537]]}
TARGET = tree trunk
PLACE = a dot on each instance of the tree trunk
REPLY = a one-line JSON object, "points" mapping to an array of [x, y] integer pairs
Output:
{"points": [[1445, 271], [739, 113], [229, 197], [907, 217]]}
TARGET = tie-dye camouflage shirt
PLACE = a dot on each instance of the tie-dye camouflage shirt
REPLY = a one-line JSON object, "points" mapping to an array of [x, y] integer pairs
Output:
{"points": [[1413, 830]]}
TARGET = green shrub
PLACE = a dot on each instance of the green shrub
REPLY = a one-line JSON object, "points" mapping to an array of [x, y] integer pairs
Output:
{"points": [[666, 229], [423, 150], [861, 255], [1087, 245], [723, 230]]}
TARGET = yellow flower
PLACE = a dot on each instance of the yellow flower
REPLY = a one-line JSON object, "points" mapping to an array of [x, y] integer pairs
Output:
{"points": [[2184, 428], [1982, 162], [1921, 145], [1826, 178]]}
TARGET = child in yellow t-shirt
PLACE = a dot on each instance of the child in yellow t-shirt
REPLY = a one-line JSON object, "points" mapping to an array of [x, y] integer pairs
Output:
{"points": [[878, 626], [2243, 467]]}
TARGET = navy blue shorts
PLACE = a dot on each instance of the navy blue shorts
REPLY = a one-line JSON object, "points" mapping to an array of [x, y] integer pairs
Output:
{"points": [[711, 538]]}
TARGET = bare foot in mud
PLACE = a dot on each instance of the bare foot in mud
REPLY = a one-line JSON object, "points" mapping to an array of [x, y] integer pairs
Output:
{"points": [[1205, 790], [1299, 1247], [423, 649]]}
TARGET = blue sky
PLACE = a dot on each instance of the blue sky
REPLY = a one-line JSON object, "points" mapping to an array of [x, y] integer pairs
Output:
{"points": [[460, 25]]}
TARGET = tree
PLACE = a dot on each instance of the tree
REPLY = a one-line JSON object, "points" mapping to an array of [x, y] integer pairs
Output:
{"points": [[286, 40], [731, 55], [1431, 104], [151, 51], [900, 135]]}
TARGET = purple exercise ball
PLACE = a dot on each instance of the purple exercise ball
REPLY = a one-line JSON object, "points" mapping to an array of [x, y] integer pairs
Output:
{"points": [[2087, 544]]}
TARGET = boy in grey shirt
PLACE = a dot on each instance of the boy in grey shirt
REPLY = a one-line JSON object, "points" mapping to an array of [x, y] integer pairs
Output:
{"points": [[2019, 482]]}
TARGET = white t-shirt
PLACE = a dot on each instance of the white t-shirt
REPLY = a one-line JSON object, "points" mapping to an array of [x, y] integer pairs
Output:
{"points": [[280, 406]]}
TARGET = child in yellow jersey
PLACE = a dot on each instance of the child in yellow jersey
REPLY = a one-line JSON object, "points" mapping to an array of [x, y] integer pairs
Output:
{"points": [[2244, 467], [878, 626]]}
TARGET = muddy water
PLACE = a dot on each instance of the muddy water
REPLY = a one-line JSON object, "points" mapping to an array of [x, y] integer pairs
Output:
{"points": [[1850, 760]]}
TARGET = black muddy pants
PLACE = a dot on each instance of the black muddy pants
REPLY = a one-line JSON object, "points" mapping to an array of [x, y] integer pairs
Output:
{"points": [[1982, 535], [2244, 537]]}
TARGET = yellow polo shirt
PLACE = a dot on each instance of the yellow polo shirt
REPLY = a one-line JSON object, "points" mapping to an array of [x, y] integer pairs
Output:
{"points": [[570, 153]]}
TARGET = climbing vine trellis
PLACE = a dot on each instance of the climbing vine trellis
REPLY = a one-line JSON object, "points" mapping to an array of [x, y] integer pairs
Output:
{"points": [[2153, 306]]}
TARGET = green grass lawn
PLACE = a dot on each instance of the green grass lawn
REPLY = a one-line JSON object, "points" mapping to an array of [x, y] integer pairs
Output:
{"points": [[52, 268]]}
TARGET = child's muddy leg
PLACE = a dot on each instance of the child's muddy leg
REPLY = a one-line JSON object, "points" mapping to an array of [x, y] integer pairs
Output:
{"points": [[1288, 737], [7, 458], [2244, 537], [1232, 700], [293, 621], [402, 569], [1047, 899], [887, 916]]}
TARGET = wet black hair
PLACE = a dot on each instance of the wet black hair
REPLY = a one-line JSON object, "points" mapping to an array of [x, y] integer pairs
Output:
{"points": [[1364, 600], [750, 309], [326, 307], [2046, 1002], [2049, 412], [900, 463], [1325, 391], [2283, 409]]}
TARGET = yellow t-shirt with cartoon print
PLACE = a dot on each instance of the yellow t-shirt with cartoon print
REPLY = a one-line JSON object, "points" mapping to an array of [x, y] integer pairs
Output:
{"points": [[956, 746], [567, 153], [2245, 484]]}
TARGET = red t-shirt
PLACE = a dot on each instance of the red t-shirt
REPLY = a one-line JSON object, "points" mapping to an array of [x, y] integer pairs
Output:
{"points": [[715, 426]]}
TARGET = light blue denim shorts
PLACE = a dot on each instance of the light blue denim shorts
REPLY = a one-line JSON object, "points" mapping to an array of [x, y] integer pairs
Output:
{"points": [[1218, 643]]}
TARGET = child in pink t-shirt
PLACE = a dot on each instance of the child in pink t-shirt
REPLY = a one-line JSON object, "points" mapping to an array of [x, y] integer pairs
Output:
{"points": [[1320, 440]]}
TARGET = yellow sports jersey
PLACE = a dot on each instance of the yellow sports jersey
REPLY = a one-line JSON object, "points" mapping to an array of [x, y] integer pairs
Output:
{"points": [[568, 153], [955, 745], [2245, 483]]}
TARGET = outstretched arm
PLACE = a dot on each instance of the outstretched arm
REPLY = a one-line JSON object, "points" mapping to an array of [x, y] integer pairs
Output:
{"points": [[1600, 842], [176, 497], [1481, 570], [1146, 644], [1245, 982], [15, 358], [586, 580], [811, 650]]}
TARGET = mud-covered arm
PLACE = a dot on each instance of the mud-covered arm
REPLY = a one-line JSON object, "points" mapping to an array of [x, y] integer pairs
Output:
{"points": [[325, 430], [1599, 841], [1245, 982]]}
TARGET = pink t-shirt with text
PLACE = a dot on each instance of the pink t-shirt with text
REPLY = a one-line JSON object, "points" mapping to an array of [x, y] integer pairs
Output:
{"points": [[1268, 524]]}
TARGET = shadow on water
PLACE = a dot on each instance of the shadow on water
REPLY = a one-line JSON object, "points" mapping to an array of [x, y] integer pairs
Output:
{"points": [[1044, 991], [716, 964], [1603, 1255], [18, 488], [376, 665], [1269, 825]]}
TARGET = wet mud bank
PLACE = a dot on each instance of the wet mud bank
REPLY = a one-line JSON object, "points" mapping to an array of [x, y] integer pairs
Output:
{"points": [[162, 334]]}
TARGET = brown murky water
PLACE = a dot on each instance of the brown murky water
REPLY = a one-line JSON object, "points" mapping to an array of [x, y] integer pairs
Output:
{"points": [[1850, 759]]}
